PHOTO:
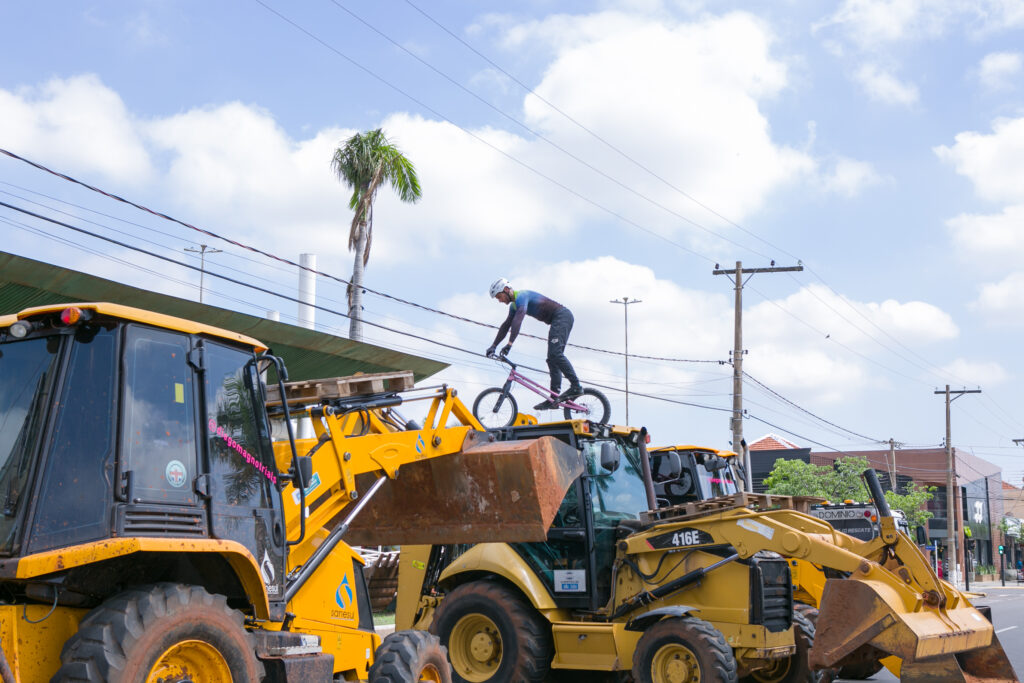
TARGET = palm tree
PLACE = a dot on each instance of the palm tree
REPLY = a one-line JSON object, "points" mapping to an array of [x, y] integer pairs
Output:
{"points": [[365, 162]]}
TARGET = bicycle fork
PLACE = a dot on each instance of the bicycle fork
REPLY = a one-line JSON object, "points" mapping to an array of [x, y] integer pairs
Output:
{"points": [[505, 390]]}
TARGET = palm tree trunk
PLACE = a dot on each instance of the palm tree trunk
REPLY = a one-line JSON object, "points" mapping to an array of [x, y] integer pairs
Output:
{"points": [[355, 298]]}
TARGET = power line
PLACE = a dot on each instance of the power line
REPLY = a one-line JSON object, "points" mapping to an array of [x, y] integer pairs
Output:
{"points": [[244, 246]]}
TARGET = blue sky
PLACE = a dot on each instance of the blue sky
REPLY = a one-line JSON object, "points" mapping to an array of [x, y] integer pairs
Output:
{"points": [[880, 143]]}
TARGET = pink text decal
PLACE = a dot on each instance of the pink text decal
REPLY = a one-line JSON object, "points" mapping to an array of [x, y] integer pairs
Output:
{"points": [[248, 457]]}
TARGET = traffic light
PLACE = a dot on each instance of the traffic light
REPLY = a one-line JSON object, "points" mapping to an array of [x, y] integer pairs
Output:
{"points": [[1000, 550]]}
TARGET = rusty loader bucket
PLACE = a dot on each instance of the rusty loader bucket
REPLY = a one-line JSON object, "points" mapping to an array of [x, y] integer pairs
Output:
{"points": [[506, 491]]}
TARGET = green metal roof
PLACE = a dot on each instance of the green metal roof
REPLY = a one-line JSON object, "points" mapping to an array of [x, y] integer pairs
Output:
{"points": [[308, 354]]}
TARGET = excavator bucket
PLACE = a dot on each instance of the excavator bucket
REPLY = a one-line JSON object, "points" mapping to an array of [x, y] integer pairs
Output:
{"points": [[505, 491], [950, 643]]}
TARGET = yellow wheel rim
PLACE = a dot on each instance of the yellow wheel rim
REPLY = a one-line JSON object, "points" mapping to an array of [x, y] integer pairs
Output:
{"points": [[778, 669], [675, 663], [474, 648], [430, 674], [191, 660]]}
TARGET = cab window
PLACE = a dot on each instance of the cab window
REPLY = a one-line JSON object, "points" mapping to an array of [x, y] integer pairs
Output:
{"points": [[158, 440]]}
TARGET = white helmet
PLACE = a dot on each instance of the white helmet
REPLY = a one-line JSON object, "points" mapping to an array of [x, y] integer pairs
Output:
{"points": [[499, 286]]}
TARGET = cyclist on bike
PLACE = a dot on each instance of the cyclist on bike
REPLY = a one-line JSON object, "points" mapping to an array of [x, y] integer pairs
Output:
{"points": [[526, 303]]}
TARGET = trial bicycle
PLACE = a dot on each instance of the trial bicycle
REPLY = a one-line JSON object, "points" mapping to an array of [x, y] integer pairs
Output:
{"points": [[496, 407]]}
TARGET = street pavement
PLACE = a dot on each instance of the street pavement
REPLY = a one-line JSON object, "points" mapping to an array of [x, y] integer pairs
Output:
{"points": [[1007, 605]]}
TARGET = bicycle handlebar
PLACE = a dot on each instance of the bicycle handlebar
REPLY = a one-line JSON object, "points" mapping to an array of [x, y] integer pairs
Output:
{"points": [[503, 359]]}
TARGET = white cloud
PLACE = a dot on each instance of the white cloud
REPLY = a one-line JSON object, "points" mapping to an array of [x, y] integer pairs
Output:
{"points": [[998, 70], [881, 85], [849, 177], [976, 372], [1003, 300], [993, 236], [700, 85], [994, 162], [871, 23], [76, 124]]}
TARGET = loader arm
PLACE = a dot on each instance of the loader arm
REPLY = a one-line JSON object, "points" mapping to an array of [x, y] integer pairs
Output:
{"points": [[481, 490], [890, 600]]}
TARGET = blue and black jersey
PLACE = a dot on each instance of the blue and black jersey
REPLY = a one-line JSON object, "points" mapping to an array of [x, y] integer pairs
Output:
{"points": [[526, 303]]}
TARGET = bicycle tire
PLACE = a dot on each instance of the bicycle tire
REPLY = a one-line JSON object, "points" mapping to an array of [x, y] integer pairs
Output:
{"points": [[598, 404], [491, 413]]}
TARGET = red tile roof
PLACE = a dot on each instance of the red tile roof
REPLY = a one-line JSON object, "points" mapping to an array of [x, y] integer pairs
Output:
{"points": [[772, 442]]}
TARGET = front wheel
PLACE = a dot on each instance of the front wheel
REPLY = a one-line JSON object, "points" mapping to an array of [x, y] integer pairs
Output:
{"points": [[411, 656], [596, 403], [165, 632], [683, 651], [492, 635], [495, 409]]}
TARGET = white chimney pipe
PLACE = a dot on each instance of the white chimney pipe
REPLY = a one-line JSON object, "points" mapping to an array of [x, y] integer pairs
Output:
{"points": [[307, 291]]}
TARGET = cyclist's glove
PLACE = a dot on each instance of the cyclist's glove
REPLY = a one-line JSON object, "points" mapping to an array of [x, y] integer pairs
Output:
{"points": [[505, 349], [489, 352]]}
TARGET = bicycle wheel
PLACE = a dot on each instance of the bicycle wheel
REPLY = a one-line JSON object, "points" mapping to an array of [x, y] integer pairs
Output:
{"points": [[596, 403], [494, 409]]}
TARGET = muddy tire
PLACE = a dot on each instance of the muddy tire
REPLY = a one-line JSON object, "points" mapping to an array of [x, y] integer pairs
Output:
{"points": [[796, 668], [165, 632], [411, 656], [493, 635], [690, 650]]}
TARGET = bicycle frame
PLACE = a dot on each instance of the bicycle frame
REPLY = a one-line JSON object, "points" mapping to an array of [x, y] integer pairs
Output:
{"points": [[539, 389]]}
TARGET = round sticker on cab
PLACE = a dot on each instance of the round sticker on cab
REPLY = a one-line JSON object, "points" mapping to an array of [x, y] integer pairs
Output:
{"points": [[175, 473]]}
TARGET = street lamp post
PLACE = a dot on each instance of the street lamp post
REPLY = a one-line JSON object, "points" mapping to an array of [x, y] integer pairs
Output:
{"points": [[203, 250], [626, 301]]}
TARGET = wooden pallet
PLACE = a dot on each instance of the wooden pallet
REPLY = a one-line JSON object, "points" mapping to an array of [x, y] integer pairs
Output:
{"points": [[320, 390], [757, 502]]}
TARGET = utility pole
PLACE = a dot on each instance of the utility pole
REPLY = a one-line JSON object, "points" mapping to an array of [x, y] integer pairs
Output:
{"points": [[625, 301], [203, 250], [736, 276], [951, 492], [892, 457]]}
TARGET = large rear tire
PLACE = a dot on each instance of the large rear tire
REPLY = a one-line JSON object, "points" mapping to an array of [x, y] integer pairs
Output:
{"points": [[492, 635], [683, 651], [599, 409], [165, 632], [493, 411], [411, 656]]}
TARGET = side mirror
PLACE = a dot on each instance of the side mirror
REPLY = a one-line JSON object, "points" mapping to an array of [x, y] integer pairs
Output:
{"points": [[713, 463], [666, 466], [922, 539], [609, 457], [303, 471]]}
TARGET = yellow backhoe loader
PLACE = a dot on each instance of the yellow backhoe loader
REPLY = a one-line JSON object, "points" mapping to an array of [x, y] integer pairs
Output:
{"points": [[151, 531], [628, 584]]}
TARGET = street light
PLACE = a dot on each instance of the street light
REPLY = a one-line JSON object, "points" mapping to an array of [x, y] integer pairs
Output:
{"points": [[625, 301], [203, 250]]}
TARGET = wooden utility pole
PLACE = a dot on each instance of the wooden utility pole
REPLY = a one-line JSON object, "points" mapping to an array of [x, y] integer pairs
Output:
{"points": [[626, 301], [736, 421], [954, 549]]}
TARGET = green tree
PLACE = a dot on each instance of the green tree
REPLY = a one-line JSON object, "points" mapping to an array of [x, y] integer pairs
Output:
{"points": [[836, 483], [913, 503], [365, 162]]}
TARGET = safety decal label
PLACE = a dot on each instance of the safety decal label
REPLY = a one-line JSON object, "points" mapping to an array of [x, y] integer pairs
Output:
{"points": [[314, 482], [570, 581], [175, 473]]}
